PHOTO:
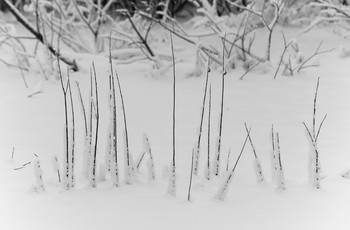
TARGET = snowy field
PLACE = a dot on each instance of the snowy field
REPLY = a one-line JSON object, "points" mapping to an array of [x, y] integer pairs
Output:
{"points": [[34, 125]]}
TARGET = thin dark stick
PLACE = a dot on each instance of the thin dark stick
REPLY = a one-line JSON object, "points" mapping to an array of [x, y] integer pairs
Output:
{"points": [[191, 176], [125, 128], [201, 122], [279, 153], [64, 90], [319, 128], [239, 157], [83, 107], [314, 114], [97, 124], [217, 169], [23, 166], [284, 51], [141, 158], [317, 52], [209, 121], [73, 132], [115, 142], [228, 159], [250, 140], [250, 69], [174, 111]]}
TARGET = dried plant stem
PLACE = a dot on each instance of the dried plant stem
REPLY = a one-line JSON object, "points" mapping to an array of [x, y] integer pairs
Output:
{"points": [[218, 150], [72, 179], [66, 158], [286, 46], [172, 181], [197, 151], [208, 137], [191, 176], [221, 195]]}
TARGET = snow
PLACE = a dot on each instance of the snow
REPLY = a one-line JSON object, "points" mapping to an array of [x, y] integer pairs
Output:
{"points": [[34, 125]]}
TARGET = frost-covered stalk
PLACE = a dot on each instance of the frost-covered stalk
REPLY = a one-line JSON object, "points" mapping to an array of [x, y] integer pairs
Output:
{"points": [[172, 179], [197, 150], [191, 176], [222, 193], [273, 155], [94, 153], [257, 166], [108, 153], [90, 135], [128, 162], [114, 144], [147, 149], [314, 162], [56, 167], [207, 173], [314, 168], [66, 161], [38, 174], [228, 160], [72, 136], [218, 148], [280, 174], [86, 136]]}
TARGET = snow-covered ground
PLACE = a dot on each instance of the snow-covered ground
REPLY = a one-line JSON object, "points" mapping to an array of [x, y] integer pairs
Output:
{"points": [[34, 125]]}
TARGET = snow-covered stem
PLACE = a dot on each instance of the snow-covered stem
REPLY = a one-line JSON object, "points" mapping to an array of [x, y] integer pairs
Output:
{"points": [[115, 168], [128, 167], [66, 162], [315, 167], [191, 176], [208, 137], [278, 5], [72, 138], [38, 174], [273, 154], [228, 160], [172, 181], [97, 116], [197, 150], [257, 165], [280, 174], [222, 193], [218, 150], [314, 112]]}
